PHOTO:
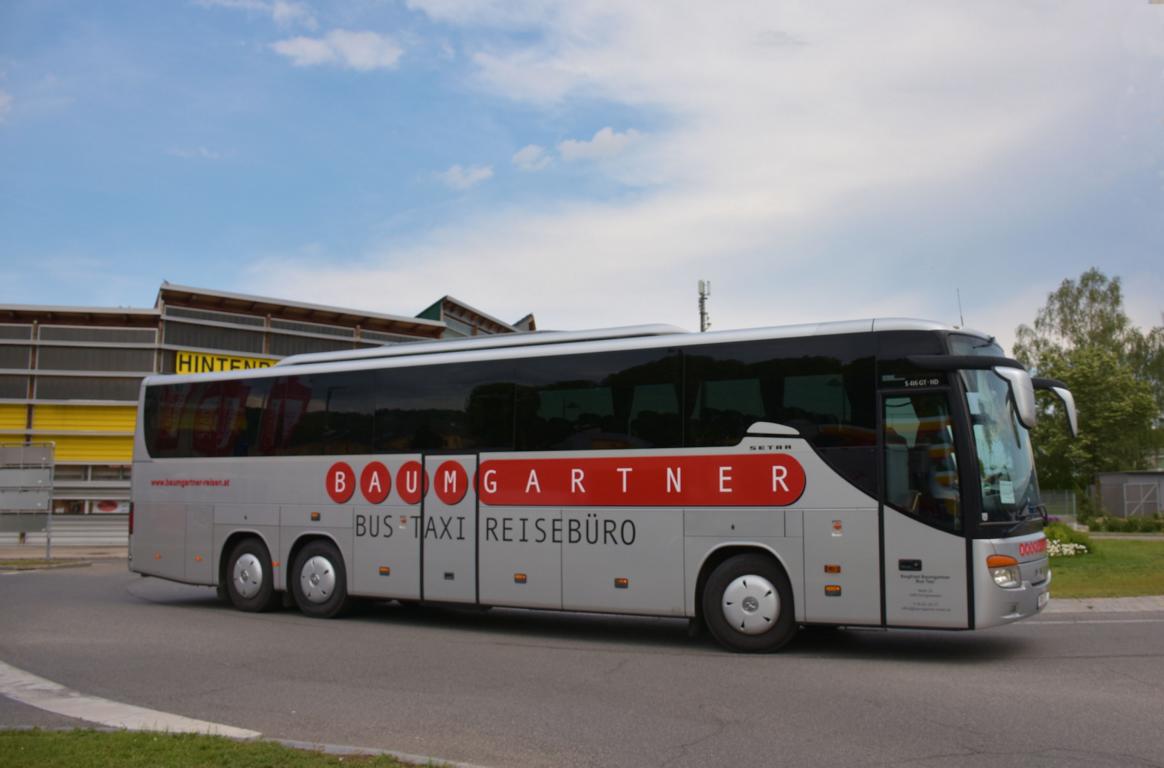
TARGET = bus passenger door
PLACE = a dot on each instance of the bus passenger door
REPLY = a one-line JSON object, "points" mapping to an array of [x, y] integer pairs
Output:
{"points": [[449, 530], [925, 546]]}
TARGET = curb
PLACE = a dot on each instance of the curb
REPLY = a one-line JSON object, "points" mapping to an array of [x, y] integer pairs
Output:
{"points": [[1142, 604], [340, 750], [48, 565], [107, 715]]}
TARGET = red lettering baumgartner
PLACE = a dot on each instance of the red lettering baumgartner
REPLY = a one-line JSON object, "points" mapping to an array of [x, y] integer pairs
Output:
{"points": [[767, 480], [452, 482], [375, 482], [340, 482], [411, 482]]}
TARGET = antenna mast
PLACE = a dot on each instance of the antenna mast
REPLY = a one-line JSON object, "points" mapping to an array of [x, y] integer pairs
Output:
{"points": [[704, 294]]}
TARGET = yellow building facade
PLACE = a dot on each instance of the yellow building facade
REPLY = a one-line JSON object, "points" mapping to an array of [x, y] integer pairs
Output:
{"points": [[70, 375]]}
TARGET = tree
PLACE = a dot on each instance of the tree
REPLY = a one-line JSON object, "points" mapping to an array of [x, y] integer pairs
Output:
{"points": [[1083, 337]]}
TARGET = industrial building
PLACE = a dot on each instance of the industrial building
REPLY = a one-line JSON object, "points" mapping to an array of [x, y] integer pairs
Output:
{"points": [[70, 375]]}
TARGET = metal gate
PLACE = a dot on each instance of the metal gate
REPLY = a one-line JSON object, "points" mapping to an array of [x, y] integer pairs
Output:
{"points": [[26, 489], [1141, 499]]}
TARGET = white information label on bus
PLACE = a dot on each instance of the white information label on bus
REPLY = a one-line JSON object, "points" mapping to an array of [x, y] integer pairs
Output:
{"points": [[1006, 491]]}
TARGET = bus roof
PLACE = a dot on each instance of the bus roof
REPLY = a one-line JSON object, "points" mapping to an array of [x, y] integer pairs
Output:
{"points": [[548, 343], [497, 341]]}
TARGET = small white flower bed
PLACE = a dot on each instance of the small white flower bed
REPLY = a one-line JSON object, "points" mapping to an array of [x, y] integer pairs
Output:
{"points": [[1056, 548]]}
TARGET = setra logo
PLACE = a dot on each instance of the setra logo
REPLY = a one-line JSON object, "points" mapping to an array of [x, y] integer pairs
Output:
{"points": [[1037, 547]]}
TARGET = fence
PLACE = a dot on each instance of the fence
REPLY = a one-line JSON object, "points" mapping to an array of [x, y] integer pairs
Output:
{"points": [[26, 490], [1061, 504]]}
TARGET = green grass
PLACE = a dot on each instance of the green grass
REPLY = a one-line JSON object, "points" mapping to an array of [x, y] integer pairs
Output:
{"points": [[1113, 568], [99, 749]]}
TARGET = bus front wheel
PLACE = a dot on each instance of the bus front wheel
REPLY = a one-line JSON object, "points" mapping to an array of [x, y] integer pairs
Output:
{"points": [[250, 583], [319, 581], [747, 604]]}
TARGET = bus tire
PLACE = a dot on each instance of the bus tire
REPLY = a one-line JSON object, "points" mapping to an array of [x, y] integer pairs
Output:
{"points": [[250, 582], [747, 604], [319, 581]]}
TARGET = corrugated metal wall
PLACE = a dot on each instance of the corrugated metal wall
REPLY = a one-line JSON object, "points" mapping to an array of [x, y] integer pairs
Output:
{"points": [[13, 416], [92, 448], [84, 418]]}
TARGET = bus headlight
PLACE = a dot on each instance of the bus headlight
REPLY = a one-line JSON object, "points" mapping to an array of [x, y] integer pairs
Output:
{"points": [[1004, 569]]}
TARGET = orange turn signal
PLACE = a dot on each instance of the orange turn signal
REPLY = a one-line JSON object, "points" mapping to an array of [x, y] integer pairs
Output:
{"points": [[1000, 561], [832, 569], [519, 578], [385, 570], [621, 583], [833, 590], [315, 517]]}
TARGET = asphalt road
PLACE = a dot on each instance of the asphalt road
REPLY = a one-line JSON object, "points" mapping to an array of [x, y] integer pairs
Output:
{"points": [[515, 688]]}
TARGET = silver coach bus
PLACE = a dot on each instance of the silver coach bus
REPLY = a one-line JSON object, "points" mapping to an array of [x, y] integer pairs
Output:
{"points": [[868, 473]]}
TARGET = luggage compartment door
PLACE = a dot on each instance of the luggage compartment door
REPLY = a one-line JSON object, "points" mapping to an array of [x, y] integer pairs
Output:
{"points": [[449, 530]]}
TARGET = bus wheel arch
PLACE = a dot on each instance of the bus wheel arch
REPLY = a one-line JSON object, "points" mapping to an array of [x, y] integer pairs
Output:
{"points": [[744, 598], [317, 577], [247, 573]]}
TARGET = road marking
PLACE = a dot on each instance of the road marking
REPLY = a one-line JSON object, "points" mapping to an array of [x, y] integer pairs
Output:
{"points": [[1095, 621], [38, 692]]}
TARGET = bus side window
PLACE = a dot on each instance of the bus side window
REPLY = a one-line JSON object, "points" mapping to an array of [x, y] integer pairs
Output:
{"points": [[490, 416], [654, 415], [816, 386], [293, 419], [598, 401], [921, 469], [724, 410], [163, 419], [350, 402]]}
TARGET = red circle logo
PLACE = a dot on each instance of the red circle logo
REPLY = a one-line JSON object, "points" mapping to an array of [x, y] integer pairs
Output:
{"points": [[375, 482], [451, 482], [341, 482], [411, 482]]}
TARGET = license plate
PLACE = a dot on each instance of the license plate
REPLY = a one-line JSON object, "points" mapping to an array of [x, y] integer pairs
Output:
{"points": [[1043, 598]]}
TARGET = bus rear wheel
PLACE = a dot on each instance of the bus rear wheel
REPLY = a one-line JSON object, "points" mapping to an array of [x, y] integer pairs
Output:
{"points": [[319, 581], [747, 604], [249, 582]]}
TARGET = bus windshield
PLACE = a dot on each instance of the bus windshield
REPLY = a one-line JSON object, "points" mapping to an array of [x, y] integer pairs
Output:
{"points": [[1006, 463]]}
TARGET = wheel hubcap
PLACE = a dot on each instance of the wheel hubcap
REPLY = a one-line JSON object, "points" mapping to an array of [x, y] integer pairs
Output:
{"points": [[751, 605], [248, 576], [317, 579]]}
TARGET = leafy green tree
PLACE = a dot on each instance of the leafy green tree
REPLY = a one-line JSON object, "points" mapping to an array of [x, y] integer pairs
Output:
{"points": [[1083, 337]]}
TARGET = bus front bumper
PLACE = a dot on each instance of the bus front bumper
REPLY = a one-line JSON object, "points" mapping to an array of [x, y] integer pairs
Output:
{"points": [[1001, 605]]}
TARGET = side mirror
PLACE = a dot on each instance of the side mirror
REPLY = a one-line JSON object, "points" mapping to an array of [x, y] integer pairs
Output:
{"points": [[1023, 391], [1060, 390]]}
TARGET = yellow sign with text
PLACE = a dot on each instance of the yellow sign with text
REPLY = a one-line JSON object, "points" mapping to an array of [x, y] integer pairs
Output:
{"points": [[205, 362]]}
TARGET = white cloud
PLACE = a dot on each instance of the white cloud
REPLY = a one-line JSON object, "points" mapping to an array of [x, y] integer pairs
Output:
{"points": [[769, 127], [463, 178], [491, 13], [532, 157], [606, 143], [285, 13], [362, 51], [5, 105]]}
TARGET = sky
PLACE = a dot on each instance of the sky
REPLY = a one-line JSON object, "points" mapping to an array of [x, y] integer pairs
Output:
{"points": [[588, 161]]}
